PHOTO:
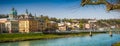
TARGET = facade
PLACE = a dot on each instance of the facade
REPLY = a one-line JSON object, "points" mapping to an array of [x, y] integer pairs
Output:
{"points": [[75, 26], [62, 27], [27, 25], [66, 26], [92, 23], [12, 26], [52, 26], [9, 26], [87, 26], [42, 25], [2, 27]]}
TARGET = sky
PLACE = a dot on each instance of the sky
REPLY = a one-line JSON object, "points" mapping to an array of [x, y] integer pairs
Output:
{"points": [[58, 8]]}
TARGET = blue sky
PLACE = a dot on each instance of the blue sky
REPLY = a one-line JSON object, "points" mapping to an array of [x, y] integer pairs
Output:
{"points": [[57, 8]]}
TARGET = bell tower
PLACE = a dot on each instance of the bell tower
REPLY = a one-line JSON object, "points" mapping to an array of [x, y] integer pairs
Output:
{"points": [[13, 13], [26, 12]]}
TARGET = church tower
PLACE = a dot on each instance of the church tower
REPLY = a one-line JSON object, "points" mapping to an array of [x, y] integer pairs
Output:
{"points": [[26, 12], [13, 14]]}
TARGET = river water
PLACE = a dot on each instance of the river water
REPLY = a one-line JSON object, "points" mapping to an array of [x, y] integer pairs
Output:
{"points": [[95, 40]]}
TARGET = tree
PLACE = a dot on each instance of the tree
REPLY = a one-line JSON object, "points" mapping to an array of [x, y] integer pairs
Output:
{"points": [[81, 25], [3, 16]]}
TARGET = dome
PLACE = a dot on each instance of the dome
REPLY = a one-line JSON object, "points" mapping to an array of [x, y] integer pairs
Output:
{"points": [[13, 12]]}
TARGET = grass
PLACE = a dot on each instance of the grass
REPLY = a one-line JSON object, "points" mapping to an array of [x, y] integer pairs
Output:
{"points": [[21, 37], [34, 36]]}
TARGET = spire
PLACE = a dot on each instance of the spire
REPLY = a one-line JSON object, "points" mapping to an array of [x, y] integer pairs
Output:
{"points": [[35, 16], [30, 14], [13, 9], [26, 12], [15, 13]]}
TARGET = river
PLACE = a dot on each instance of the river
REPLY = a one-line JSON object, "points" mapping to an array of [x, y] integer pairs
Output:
{"points": [[95, 40]]}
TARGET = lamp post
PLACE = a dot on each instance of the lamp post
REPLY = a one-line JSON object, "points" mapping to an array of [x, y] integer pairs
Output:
{"points": [[91, 29]]}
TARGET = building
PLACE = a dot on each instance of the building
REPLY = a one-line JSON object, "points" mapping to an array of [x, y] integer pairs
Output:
{"points": [[75, 25], [93, 24], [2, 27], [3, 20], [62, 27], [28, 25], [42, 25], [52, 26], [9, 26], [12, 26], [13, 14], [87, 26]]}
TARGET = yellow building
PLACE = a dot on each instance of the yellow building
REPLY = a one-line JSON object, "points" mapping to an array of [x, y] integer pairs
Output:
{"points": [[28, 25]]}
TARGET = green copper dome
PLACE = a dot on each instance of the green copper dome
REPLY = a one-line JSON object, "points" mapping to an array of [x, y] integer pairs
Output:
{"points": [[13, 12]]}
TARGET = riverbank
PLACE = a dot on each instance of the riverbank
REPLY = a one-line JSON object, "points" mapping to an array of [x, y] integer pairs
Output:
{"points": [[116, 44], [36, 36]]}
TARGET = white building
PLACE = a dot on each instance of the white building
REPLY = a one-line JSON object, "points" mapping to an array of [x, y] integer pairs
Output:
{"points": [[2, 24], [62, 26], [12, 26], [9, 25], [2, 27], [87, 26]]}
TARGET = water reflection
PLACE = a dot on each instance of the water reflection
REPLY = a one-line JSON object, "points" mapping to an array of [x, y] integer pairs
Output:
{"points": [[25, 43], [95, 40]]}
